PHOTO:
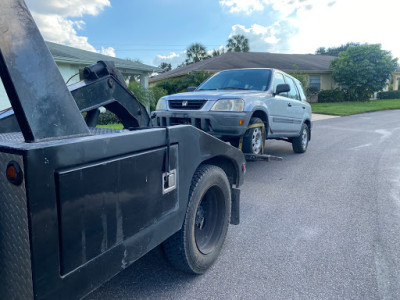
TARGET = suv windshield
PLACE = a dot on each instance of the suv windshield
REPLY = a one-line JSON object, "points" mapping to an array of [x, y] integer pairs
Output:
{"points": [[250, 79]]}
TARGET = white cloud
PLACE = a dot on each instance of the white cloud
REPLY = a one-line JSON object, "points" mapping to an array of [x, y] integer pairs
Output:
{"points": [[285, 7], [168, 57], [273, 38], [59, 30], [53, 20], [246, 6], [110, 51], [68, 8], [306, 25], [173, 58], [347, 21]]}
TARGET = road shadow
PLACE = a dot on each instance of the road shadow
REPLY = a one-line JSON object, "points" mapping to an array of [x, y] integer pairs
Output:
{"points": [[149, 277]]}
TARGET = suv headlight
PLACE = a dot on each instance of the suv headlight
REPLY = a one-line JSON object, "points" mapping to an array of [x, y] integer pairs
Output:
{"points": [[161, 104], [228, 105]]}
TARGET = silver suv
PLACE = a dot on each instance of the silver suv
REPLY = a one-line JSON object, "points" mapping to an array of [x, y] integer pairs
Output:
{"points": [[244, 107]]}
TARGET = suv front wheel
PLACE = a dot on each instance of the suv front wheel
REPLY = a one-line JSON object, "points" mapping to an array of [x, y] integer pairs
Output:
{"points": [[254, 137]]}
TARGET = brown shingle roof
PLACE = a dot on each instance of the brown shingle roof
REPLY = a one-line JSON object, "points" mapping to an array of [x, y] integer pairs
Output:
{"points": [[238, 60]]}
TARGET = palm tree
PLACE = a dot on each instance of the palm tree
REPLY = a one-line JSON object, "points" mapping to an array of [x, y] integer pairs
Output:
{"points": [[195, 53], [165, 67], [217, 52], [238, 43]]}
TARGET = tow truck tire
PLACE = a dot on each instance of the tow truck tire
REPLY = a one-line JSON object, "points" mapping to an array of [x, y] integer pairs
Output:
{"points": [[196, 246], [253, 138], [300, 143]]}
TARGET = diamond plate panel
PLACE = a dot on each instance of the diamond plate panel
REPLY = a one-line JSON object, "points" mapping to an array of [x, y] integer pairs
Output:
{"points": [[100, 131], [15, 259], [11, 137]]}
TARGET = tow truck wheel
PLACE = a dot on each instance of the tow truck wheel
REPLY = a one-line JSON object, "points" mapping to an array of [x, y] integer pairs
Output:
{"points": [[254, 138], [197, 245]]}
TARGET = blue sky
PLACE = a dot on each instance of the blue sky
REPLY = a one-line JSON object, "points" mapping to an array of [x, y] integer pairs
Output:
{"points": [[158, 30]]}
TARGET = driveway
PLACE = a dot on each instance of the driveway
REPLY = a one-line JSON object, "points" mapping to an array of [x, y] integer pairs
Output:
{"points": [[319, 225], [318, 117]]}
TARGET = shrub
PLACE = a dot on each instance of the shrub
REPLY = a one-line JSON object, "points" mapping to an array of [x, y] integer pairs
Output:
{"points": [[178, 85], [331, 96], [148, 97], [389, 95], [300, 76], [145, 96], [108, 118]]}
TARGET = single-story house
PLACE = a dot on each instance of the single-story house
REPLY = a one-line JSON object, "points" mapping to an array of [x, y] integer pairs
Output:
{"points": [[71, 60], [315, 66], [395, 79]]}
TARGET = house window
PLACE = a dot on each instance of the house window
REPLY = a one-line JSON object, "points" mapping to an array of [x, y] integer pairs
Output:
{"points": [[315, 82]]}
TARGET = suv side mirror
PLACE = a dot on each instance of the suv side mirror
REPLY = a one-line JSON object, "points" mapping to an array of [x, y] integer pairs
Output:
{"points": [[282, 88], [191, 88]]}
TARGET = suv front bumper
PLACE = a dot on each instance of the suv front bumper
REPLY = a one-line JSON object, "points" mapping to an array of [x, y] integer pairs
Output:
{"points": [[215, 123]]}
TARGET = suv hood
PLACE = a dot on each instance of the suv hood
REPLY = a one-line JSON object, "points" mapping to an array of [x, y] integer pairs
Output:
{"points": [[214, 95]]}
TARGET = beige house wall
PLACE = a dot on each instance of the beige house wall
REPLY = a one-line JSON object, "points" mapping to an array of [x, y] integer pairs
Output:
{"points": [[396, 77], [327, 82]]}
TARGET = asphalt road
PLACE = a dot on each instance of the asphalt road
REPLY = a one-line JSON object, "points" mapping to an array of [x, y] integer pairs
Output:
{"points": [[319, 225]]}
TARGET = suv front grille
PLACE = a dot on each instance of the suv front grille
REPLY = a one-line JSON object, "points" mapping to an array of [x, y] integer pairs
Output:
{"points": [[186, 104]]}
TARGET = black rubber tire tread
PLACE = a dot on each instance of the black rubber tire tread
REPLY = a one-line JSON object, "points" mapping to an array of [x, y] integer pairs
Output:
{"points": [[180, 249], [246, 145], [297, 141]]}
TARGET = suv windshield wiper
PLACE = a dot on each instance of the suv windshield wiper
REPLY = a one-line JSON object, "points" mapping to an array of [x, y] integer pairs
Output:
{"points": [[232, 88]]}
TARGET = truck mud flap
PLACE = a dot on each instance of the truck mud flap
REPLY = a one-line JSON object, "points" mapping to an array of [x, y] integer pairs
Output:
{"points": [[235, 208]]}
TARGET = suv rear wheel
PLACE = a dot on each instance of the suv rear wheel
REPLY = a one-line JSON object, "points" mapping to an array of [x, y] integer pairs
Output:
{"points": [[300, 143]]}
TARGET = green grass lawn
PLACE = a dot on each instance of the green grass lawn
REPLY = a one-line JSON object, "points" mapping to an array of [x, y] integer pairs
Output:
{"points": [[351, 108], [112, 126]]}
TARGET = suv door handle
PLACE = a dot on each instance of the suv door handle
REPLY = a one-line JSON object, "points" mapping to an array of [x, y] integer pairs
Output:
{"points": [[289, 104]]}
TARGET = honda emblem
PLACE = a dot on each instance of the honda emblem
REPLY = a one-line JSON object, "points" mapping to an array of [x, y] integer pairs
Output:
{"points": [[184, 103]]}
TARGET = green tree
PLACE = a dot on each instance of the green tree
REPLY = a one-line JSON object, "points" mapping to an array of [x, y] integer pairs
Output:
{"points": [[195, 53], [172, 86], [334, 51], [147, 96], [217, 52], [165, 67], [300, 76], [362, 70], [178, 85], [238, 43], [195, 78]]}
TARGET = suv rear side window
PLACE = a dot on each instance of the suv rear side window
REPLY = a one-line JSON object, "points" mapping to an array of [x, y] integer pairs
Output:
{"points": [[301, 91], [293, 93]]}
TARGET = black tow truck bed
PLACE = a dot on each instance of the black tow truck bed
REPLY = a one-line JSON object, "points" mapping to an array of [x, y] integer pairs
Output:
{"points": [[90, 206]]}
